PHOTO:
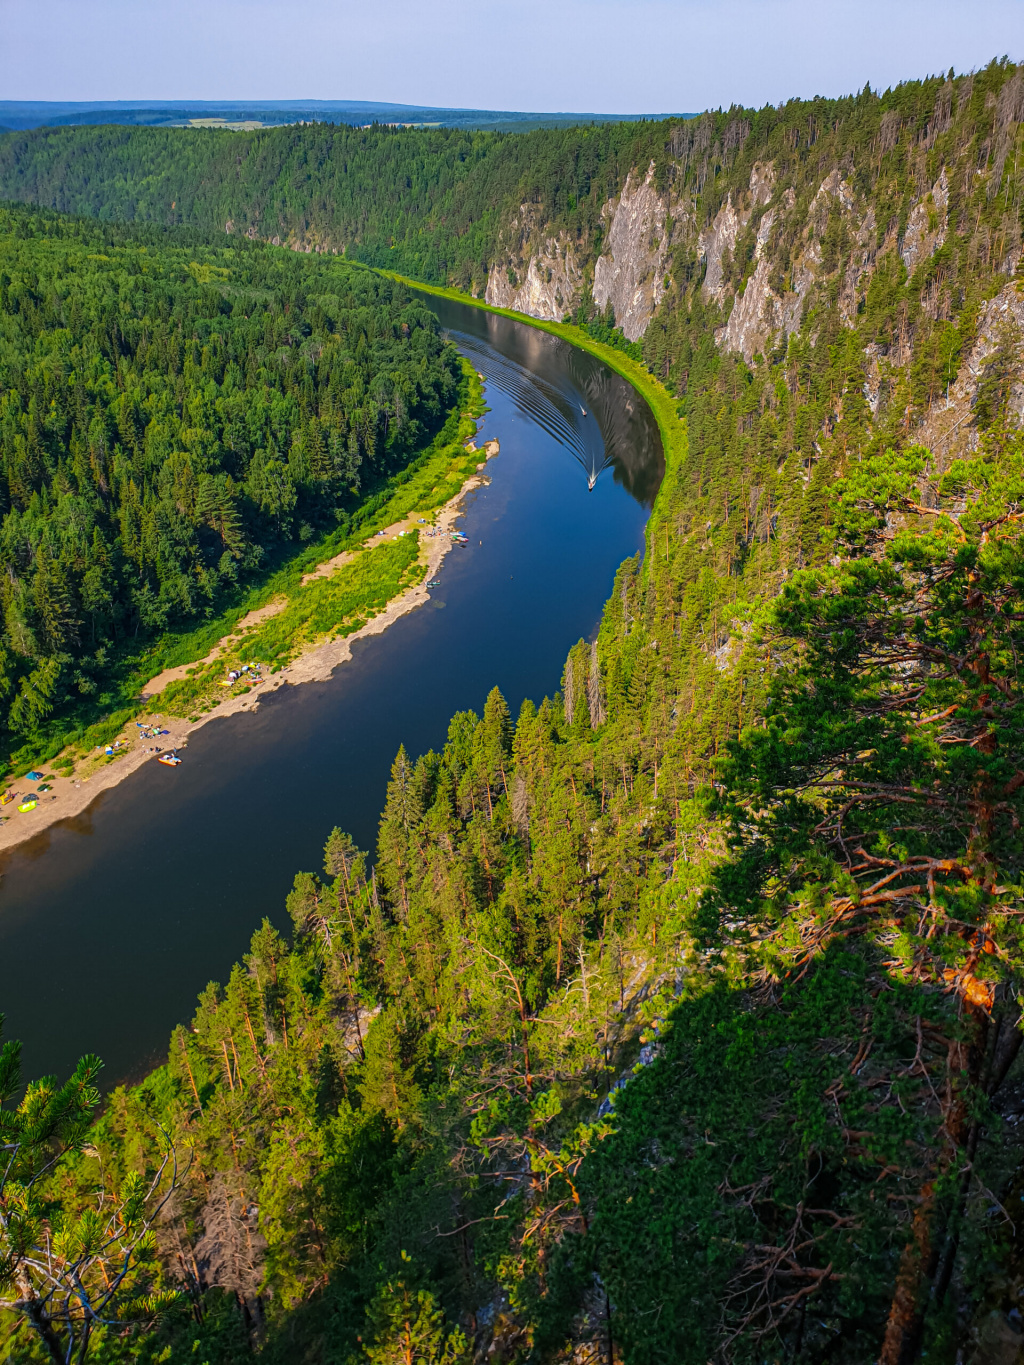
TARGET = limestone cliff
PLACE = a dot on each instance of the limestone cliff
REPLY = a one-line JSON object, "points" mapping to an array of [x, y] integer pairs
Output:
{"points": [[783, 244], [948, 429], [768, 304], [547, 286], [926, 226], [545, 275], [719, 241], [630, 271], [535, 273]]}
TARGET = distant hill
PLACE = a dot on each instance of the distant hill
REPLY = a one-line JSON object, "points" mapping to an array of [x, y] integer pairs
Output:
{"points": [[19, 115], [429, 202]]}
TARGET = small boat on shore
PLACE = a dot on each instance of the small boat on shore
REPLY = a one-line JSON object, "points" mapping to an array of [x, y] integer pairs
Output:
{"points": [[170, 760], [29, 804]]}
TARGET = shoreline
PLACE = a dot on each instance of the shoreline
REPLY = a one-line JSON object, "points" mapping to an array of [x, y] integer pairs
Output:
{"points": [[70, 797], [663, 405]]}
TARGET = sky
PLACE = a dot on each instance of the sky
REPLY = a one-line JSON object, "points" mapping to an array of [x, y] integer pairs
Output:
{"points": [[607, 56]]}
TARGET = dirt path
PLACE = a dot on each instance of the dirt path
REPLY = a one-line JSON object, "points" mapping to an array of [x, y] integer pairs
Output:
{"points": [[69, 796], [252, 618]]}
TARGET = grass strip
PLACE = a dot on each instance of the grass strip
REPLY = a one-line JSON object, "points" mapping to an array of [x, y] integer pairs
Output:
{"points": [[337, 604], [662, 404]]}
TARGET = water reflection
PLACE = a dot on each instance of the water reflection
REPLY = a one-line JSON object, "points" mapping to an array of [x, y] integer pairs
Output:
{"points": [[591, 411]]}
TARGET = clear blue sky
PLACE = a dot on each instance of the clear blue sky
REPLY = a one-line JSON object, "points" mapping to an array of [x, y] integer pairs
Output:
{"points": [[614, 56]]}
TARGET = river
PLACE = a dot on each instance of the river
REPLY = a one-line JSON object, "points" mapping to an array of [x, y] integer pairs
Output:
{"points": [[111, 923]]}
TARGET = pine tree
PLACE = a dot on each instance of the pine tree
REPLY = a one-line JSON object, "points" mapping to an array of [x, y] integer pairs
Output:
{"points": [[409, 1328], [595, 690]]}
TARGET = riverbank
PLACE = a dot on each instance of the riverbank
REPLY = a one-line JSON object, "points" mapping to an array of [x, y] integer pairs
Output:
{"points": [[663, 405], [69, 796]]}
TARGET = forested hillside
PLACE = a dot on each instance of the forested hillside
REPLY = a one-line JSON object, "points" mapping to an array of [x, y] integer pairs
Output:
{"points": [[677, 1018], [174, 417], [477, 208], [426, 202]]}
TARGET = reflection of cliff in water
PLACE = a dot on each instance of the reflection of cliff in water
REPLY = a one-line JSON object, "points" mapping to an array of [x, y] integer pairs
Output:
{"points": [[591, 411], [630, 436]]}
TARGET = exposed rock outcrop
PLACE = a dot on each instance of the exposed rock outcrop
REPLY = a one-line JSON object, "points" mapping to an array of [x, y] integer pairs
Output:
{"points": [[863, 254], [833, 187], [542, 275], [544, 282], [948, 429], [295, 241], [926, 226], [875, 377], [762, 267], [729, 222], [760, 311], [630, 273]]}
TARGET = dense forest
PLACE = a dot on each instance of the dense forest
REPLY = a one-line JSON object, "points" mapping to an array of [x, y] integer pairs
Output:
{"points": [[677, 1018], [424, 202], [434, 203], [173, 419]]}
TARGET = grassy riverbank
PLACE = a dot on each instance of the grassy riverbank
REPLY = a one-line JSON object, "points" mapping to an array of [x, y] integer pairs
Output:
{"points": [[314, 607], [337, 604]]}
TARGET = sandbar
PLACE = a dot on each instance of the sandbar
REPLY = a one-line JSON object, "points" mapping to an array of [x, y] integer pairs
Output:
{"points": [[70, 796]]}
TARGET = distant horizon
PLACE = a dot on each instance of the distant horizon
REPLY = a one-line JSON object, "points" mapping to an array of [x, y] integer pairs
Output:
{"points": [[619, 56], [280, 104], [347, 103], [25, 115]]}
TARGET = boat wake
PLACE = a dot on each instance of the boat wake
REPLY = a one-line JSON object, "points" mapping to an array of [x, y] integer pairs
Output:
{"points": [[560, 414]]}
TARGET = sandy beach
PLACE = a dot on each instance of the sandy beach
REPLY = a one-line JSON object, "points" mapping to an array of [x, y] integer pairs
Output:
{"points": [[70, 796]]}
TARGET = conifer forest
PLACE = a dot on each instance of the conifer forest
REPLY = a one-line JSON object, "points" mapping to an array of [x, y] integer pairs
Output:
{"points": [[676, 1018]]}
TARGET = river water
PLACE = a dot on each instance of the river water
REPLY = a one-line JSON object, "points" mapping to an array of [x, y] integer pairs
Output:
{"points": [[111, 923]]}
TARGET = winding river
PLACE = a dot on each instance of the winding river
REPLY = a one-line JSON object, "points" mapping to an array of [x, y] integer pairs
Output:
{"points": [[111, 923]]}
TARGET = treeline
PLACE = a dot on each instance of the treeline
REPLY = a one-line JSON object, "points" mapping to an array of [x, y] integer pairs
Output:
{"points": [[430, 203], [172, 418]]}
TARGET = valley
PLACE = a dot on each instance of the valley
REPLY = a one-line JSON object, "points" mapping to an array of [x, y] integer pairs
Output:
{"points": [[618, 959]]}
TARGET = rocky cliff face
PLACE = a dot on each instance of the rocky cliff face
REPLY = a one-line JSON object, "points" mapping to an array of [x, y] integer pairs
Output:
{"points": [[758, 310], [534, 274], [547, 286], [902, 240], [630, 271], [545, 276], [948, 428]]}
